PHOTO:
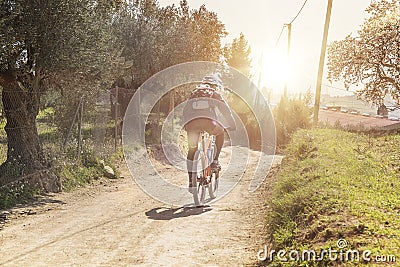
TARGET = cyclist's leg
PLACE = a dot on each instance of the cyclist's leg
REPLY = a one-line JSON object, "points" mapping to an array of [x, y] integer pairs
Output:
{"points": [[193, 137], [193, 129], [192, 150], [219, 141], [216, 129]]}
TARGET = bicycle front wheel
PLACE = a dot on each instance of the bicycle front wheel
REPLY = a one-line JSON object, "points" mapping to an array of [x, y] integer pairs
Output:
{"points": [[199, 180]]}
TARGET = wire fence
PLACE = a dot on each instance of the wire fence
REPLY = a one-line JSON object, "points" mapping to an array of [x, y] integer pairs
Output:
{"points": [[68, 131]]}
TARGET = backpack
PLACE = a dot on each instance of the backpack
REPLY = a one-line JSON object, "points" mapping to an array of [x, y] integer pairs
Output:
{"points": [[202, 91]]}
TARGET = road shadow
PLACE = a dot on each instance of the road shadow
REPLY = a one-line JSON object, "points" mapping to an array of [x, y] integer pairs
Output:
{"points": [[70, 234], [35, 202], [164, 214], [41, 200]]}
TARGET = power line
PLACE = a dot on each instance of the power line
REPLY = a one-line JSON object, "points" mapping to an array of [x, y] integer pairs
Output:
{"points": [[298, 13], [287, 24], [337, 88], [331, 86], [280, 35]]}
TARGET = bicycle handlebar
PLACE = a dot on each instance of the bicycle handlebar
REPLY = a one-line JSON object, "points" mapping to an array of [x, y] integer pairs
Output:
{"points": [[230, 129]]}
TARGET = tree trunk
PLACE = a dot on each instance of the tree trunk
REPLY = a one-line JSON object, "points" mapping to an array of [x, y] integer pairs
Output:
{"points": [[24, 152]]}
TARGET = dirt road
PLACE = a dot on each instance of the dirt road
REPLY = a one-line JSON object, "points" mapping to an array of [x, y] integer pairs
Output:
{"points": [[114, 223]]}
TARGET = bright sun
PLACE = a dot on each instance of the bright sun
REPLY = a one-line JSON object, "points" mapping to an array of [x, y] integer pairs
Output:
{"points": [[275, 71]]}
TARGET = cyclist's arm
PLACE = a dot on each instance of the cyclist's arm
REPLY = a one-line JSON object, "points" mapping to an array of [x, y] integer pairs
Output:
{"points": [[226, 112]]}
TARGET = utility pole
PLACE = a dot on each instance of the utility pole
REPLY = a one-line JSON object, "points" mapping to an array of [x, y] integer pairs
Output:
{"points": [[289, 27], [257, 96], [322, 62]]}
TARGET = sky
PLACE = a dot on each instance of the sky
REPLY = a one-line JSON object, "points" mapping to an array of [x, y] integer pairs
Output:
{"points": [[261, 22]]}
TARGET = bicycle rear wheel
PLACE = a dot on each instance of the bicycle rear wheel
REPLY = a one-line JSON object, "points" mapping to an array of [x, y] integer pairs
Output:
{"points": [[199, 180], [214, 176]]}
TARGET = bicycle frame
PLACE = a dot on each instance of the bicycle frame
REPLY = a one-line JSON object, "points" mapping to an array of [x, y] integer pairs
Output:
{"points": [[206, 178], [206, 144]]}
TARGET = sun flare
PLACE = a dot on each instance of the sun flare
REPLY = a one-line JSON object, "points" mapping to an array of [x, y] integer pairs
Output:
{"points": [[275, 71]]}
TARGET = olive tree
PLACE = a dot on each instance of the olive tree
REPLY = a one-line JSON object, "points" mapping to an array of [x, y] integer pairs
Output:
{"points": [[371, 59], [154, 37], [43, 44]]}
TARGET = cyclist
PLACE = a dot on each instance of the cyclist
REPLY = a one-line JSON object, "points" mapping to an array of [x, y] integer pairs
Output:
{"points": [[202, 115]]}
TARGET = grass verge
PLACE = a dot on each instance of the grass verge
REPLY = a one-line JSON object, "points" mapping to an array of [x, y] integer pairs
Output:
{"points": [[337, 185], [73, 172], [16, 194]]}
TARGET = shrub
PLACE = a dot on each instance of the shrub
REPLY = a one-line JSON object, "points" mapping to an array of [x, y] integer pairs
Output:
{"points": [[290, 115], [17, 193]]}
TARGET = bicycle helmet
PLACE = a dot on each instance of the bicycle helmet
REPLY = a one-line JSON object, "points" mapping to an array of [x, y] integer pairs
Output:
{"points": [[203, 86], [213, 81]]}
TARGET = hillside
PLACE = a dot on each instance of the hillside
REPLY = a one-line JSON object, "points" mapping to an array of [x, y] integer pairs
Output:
{"points": [[338, 190]]}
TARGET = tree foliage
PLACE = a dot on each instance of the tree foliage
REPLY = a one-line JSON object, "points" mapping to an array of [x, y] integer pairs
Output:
{"points": [[154, 38], [237, 55], [371, 59], [53, 36], [57, 45], [77, 48], [290, 115], [44, 44]]}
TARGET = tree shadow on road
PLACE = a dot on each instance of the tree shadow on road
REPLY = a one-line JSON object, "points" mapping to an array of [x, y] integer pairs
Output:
{"points": [[163, 213]]}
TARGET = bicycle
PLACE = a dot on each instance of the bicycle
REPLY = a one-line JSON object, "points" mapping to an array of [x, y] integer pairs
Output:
{"points": [[205, 177]]}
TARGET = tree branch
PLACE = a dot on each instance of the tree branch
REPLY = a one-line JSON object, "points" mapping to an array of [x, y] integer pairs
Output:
{"points": [[382, 75]]}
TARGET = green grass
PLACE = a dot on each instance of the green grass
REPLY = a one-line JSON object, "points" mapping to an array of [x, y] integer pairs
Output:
{"points": [[46, 115], [76, 175], [16, 194], [78, 172], [335, 184], [72, 171]]}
